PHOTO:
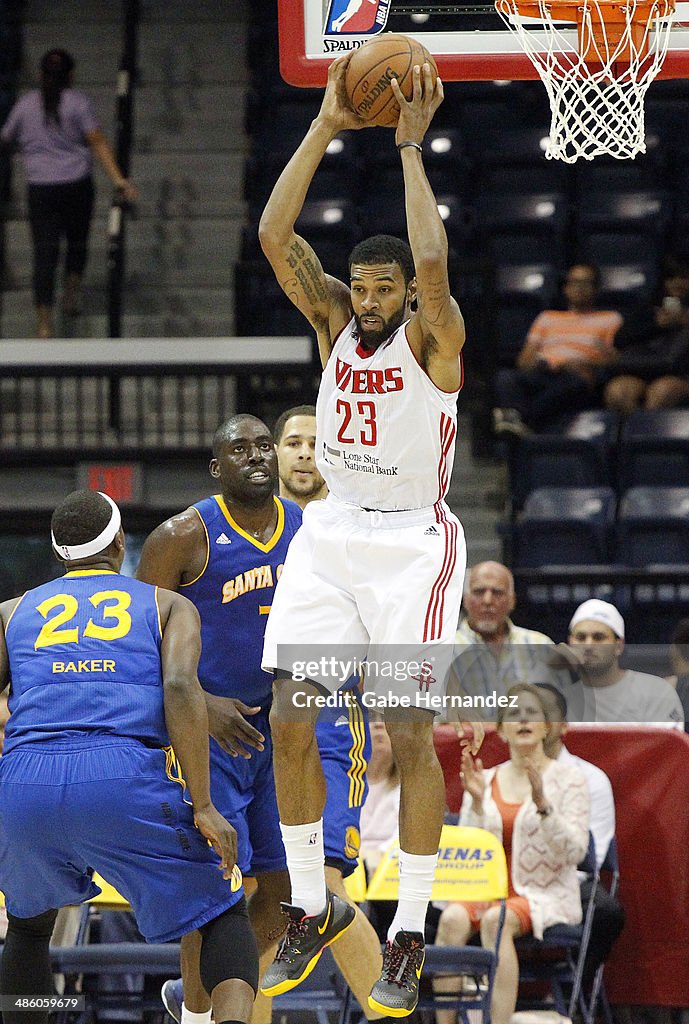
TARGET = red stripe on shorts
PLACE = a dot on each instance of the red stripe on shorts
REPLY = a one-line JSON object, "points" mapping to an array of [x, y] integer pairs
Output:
{"points": [[433, 623]]}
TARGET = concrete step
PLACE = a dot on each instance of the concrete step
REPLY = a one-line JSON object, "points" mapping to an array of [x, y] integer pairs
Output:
{"points": [[185, 185], [197, 302], [483, 550], [189, 118], [180, 253], [165, 324], [178, 185], [180, 11], [213, 52]]}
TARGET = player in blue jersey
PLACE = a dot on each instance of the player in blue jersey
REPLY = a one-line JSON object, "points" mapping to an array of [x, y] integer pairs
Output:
{"points": [[225, 553], [105, 767]]}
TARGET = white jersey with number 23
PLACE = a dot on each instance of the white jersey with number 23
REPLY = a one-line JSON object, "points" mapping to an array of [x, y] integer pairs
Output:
{"points": [[385, 434]]}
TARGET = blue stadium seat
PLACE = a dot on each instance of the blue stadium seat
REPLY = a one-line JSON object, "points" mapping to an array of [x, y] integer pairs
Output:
{"points": [[619, 211], [481, 120], [615, 248], [564, 526], [551, 600], [512, 324], [527, 283], [654, 449], [513, 161], [544, 212], [628, 285], [384, 211], [647, 171], [443, 149], [665, 116], [510, 248], [557, 960], [653, 526], [578, 452], [262, 308], [545, 176], [515, 146], [523, 227]]}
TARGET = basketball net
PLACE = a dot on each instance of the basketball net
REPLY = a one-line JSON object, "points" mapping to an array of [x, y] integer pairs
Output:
{"points": [[596, 85]]}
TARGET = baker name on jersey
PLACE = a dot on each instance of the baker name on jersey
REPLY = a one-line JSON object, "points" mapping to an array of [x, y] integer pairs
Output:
{"points": [[252, 579], [365, 463], [88, 665], [368, 382]]}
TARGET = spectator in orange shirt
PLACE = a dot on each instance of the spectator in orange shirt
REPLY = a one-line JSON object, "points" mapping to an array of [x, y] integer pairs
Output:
{"points": [[558, 369]]}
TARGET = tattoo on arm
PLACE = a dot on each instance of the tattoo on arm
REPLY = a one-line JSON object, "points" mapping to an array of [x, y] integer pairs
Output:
{"points": [[434, 303], [308, 276]]}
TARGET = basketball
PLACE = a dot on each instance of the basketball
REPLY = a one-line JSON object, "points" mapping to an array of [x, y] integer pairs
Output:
{"points": [[373, 65]]}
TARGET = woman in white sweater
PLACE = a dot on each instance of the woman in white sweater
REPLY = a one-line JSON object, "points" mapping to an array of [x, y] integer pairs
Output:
{"points": [[539, 808]]}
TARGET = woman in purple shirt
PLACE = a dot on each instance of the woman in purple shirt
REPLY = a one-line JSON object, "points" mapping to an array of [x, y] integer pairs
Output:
{"points": [[56, 131]]}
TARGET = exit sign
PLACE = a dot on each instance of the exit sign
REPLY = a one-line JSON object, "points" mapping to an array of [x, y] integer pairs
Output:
{"points": [[122, 481]]}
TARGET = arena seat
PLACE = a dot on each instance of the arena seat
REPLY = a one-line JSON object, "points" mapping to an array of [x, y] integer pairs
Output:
{"points": [[625, 211], [654, 449], [545, 212], [625, 286], [564, 526], [527, 284], [510, 248], [558, 958], [576, 452], [653, 526], [619, 248], [512, 323], [601, 175]]}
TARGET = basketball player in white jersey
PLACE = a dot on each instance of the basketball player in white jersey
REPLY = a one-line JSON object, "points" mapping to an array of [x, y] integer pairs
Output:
{"points": [[380, 563]]}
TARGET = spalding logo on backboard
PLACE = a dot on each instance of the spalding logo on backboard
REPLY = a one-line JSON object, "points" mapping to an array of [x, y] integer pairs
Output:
{"points": [[350, 22]]}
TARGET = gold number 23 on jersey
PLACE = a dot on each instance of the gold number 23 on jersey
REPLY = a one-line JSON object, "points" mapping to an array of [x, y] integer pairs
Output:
{"points": [[57, 631]]}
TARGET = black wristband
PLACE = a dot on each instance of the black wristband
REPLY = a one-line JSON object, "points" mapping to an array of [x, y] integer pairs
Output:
{"points": [[401, 145]]}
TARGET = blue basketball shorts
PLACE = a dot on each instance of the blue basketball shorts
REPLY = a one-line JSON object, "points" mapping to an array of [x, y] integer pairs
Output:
{"points": [[112, 808], [243, 790], [344, 743]]}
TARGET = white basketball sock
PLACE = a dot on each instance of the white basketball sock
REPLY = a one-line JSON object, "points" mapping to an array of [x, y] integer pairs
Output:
{"points": [[189, 1017], [416, 882], [305, 861]]}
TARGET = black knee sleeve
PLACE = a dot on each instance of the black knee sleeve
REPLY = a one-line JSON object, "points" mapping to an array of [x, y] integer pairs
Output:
{"points": [[25, 966], [228, 949]]}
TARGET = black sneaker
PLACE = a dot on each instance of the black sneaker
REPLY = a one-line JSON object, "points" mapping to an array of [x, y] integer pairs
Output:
{"points": [[396, 992], [304, 942]]}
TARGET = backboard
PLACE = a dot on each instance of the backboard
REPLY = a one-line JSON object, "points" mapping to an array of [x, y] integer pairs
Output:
{"points": [[468, 40]]}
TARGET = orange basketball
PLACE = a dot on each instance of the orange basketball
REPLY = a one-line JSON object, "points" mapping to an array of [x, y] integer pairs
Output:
{"points": [[371, 68]]}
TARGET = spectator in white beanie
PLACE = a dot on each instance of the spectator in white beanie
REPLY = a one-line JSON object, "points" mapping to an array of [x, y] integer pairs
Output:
{"points": [[603, 692]]}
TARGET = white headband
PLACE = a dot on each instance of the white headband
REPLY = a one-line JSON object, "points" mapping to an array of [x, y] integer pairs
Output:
{"points": [[71, 552]]}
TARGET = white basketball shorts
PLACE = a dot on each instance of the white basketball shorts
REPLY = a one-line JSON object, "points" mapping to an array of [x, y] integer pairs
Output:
{"points": [[368, 586]]}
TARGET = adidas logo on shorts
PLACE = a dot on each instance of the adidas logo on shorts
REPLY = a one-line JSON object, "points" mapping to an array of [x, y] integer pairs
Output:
{"points": [[431, 532]]}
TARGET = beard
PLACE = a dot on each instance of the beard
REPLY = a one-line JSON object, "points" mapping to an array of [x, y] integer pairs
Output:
{"points": [[373, 339], [307, 489], [596, 669]]}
